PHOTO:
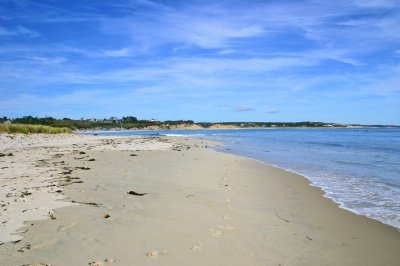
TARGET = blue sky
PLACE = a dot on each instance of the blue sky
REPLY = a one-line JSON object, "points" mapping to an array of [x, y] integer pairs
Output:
{"points": [[332, 61]]}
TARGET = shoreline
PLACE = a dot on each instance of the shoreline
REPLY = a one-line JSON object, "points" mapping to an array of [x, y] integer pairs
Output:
{"points": [[234, 200], [91, 131], [312, 184]]}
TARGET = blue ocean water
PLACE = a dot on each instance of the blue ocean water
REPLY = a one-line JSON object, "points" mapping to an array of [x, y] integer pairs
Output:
{"points": [[359, 168]]}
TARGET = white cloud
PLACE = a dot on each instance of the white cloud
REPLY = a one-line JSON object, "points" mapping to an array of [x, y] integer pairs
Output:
{"points": [[123, 52], [198, 51], [47, 60], [197, 72], [25, 31], [19, 30], [215, 34], [201, 27]]}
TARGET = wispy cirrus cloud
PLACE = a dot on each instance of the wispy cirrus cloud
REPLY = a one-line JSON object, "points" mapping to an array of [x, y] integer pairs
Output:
{"points": [[200, 30], [123, 52], [18, 31], [198, 55]]}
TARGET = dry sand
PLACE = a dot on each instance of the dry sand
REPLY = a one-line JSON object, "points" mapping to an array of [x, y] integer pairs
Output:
{"points": [[169, 201]]}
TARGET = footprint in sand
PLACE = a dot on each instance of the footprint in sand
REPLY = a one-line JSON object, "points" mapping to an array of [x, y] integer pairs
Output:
{"points": [[22, 230], [45, 243], [65, 227], [95, 263], [226, 217], [155, 253], [197, 247], [100, 263], [227, 227], [216, 233]]}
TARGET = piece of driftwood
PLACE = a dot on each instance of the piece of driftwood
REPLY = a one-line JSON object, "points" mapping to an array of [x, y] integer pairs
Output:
{"points": [[135, 193], [277, 215]]}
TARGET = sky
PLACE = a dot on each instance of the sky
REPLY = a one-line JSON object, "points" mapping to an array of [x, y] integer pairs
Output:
{"points": [[272, 60]]}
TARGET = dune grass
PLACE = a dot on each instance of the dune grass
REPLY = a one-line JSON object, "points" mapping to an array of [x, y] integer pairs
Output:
{"points": [[32, 129]]}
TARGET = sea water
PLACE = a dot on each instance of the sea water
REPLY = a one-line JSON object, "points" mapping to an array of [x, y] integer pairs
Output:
{"points": [[359, 168]]}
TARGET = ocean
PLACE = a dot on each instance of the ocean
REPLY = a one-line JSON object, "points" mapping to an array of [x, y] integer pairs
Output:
{"points": [[359, 168]]}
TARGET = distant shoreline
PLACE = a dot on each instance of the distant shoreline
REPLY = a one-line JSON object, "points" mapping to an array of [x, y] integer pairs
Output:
{"points": [[223, 128], [132, 123]]}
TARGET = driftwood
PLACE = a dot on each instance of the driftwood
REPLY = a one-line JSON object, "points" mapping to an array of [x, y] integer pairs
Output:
{"points": [[87, 203], [135, 193], [277, 215]]}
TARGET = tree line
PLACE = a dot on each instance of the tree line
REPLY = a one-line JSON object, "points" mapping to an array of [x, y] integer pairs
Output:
{"points": [[126, 122]]}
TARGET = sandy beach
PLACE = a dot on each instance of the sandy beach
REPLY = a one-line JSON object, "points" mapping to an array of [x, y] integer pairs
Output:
{"points": [[95, 200]]}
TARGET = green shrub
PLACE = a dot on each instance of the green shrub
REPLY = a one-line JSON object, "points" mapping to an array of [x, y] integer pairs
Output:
{"points": [[32, 129]]}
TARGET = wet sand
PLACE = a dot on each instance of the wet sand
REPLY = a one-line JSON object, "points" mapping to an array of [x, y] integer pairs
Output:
{"points": [[169, 201]]}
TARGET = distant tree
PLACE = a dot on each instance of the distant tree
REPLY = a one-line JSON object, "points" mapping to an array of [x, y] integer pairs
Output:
{"points": [[129, 119]]}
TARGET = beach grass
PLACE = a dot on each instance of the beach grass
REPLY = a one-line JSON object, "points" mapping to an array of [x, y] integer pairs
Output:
{"points": [[32, 129]]}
